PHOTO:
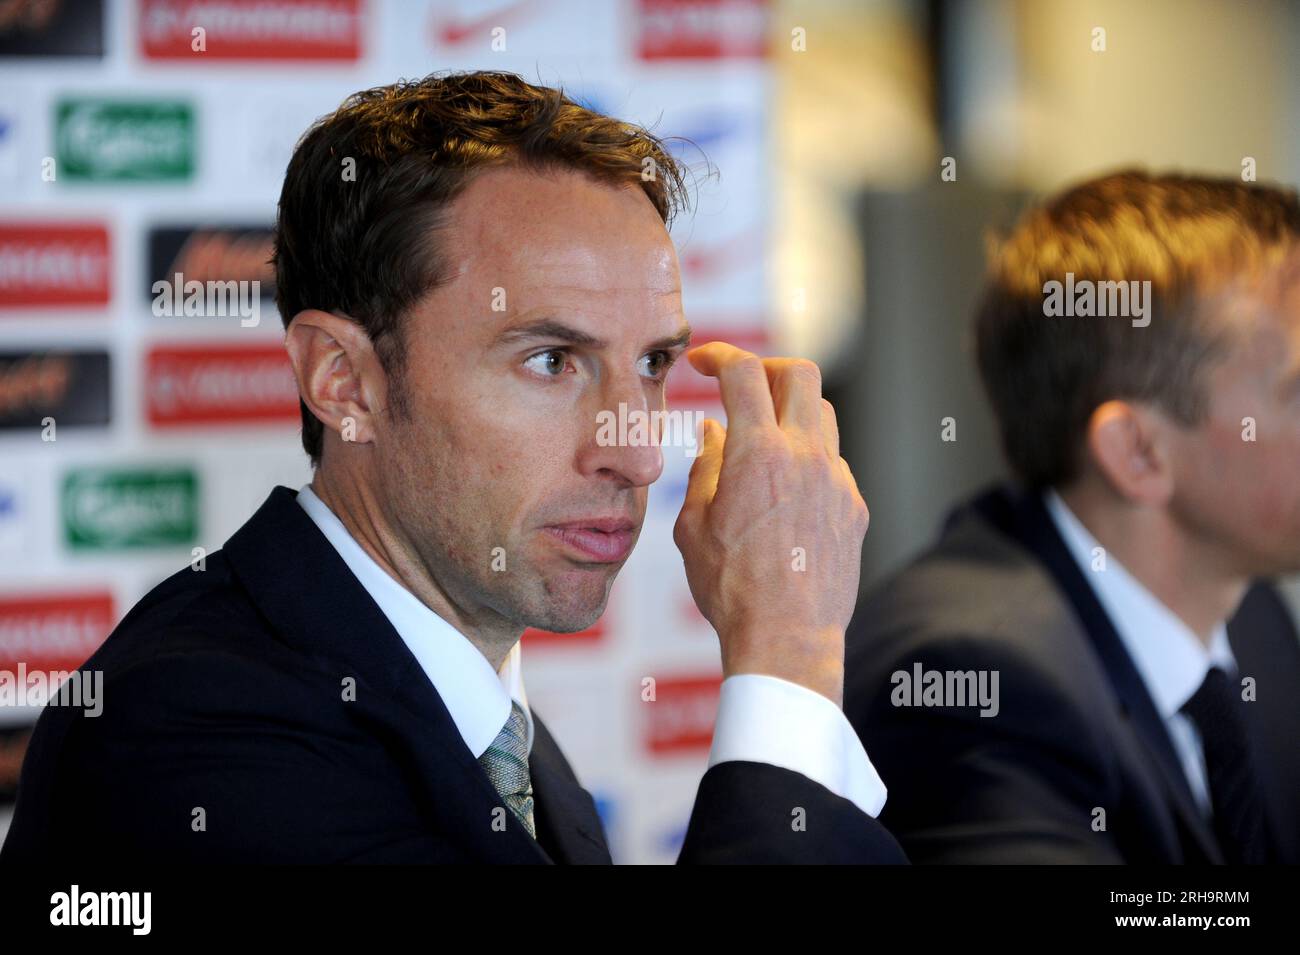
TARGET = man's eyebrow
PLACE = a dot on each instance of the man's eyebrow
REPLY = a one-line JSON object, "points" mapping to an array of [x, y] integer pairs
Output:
{"points": [[554, 330], [681, 339], [549, 328]]}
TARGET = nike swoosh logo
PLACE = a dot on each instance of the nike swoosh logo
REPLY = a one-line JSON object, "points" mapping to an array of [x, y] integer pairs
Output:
{"points": [[454, 30]]}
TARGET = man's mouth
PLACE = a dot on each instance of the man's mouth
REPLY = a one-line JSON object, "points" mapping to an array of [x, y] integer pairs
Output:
{"points": [[601, 540]]}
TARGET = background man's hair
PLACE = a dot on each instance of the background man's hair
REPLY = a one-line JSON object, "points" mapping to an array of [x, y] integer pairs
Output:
{"points": [[366, 246], [1194, 239]]}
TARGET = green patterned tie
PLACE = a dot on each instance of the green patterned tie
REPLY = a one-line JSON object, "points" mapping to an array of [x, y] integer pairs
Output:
{"points": [[506, 765]]}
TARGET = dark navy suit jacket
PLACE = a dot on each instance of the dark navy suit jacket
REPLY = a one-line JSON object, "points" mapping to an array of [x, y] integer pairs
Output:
{"points": [[223, 702]]}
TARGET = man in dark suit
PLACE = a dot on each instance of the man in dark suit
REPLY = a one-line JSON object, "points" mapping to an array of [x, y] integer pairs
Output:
{"points": [[471, 270], [1088, 666]]}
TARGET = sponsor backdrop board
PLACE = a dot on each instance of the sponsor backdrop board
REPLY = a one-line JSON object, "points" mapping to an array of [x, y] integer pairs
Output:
{"points": [[135, 435]]}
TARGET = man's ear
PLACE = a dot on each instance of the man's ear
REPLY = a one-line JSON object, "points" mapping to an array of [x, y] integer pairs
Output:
{"points": [[339, 375], [1129, 446]]}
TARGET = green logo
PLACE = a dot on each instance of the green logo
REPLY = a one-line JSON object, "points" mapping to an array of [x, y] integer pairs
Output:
{"points": [[104, 509], [111, 140]]}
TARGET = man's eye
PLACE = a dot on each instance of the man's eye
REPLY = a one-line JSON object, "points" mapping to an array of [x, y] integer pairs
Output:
{"points": [[658, 363], [550, 363]]}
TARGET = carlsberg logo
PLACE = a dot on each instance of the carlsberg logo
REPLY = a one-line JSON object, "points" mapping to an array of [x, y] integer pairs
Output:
{"points": [[111, 508], [122, 140]]}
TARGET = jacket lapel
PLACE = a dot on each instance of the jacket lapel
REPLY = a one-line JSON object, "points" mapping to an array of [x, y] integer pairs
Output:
{"points": [[317, 606], [1022, 515]]}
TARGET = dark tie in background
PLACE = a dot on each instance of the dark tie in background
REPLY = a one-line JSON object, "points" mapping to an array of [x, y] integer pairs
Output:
{"points": [[1234, 791]]}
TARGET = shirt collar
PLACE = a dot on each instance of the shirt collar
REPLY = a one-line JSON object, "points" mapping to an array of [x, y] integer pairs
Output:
{"points": [[477, 697], [1170, 658]]}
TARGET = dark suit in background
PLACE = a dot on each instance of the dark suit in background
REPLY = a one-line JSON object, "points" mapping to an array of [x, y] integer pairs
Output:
{"points": [[224, 692], [1077, 729]]}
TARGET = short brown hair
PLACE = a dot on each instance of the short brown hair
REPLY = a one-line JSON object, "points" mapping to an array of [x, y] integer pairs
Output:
{"points": [[1192, 238], [364, 244]]}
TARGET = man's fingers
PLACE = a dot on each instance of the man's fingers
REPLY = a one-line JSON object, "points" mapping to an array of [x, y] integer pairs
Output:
{"points": [[830, 430], [796, 386], [785, 392], [702, 483], [745, 392]]}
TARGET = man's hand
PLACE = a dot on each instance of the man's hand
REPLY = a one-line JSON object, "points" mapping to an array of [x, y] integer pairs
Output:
{"points": [[772, 526]]}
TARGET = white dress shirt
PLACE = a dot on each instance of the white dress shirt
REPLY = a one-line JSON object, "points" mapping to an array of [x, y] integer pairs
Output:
{"points": [[760, 718], [1169, 657]]}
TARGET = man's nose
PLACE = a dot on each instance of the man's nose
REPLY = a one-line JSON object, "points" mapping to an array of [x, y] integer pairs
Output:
{"points": [[624, 436]]}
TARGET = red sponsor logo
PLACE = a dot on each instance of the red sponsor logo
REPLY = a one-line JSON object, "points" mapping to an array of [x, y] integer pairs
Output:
{"points": [[57, 631], [251, 29], [681, 716], [545, 638], [219, 384], [688, 386], [456, 27], [714, 261], [701, 29], [44, 263]]}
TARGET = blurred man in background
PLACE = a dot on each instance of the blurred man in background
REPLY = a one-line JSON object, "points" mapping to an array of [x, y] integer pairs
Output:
{"points": [[1140, 341]]}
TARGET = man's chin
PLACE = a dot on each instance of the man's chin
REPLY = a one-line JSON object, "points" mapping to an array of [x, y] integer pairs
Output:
{"points": [[573, 602], [566, 620]]}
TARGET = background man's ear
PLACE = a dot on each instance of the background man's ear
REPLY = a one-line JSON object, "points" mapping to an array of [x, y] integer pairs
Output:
{"points": [[339, 375], [1129, 446]]}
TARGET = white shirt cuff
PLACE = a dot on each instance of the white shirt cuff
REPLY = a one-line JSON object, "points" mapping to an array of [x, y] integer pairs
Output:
{"points": [[765, 719]]}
